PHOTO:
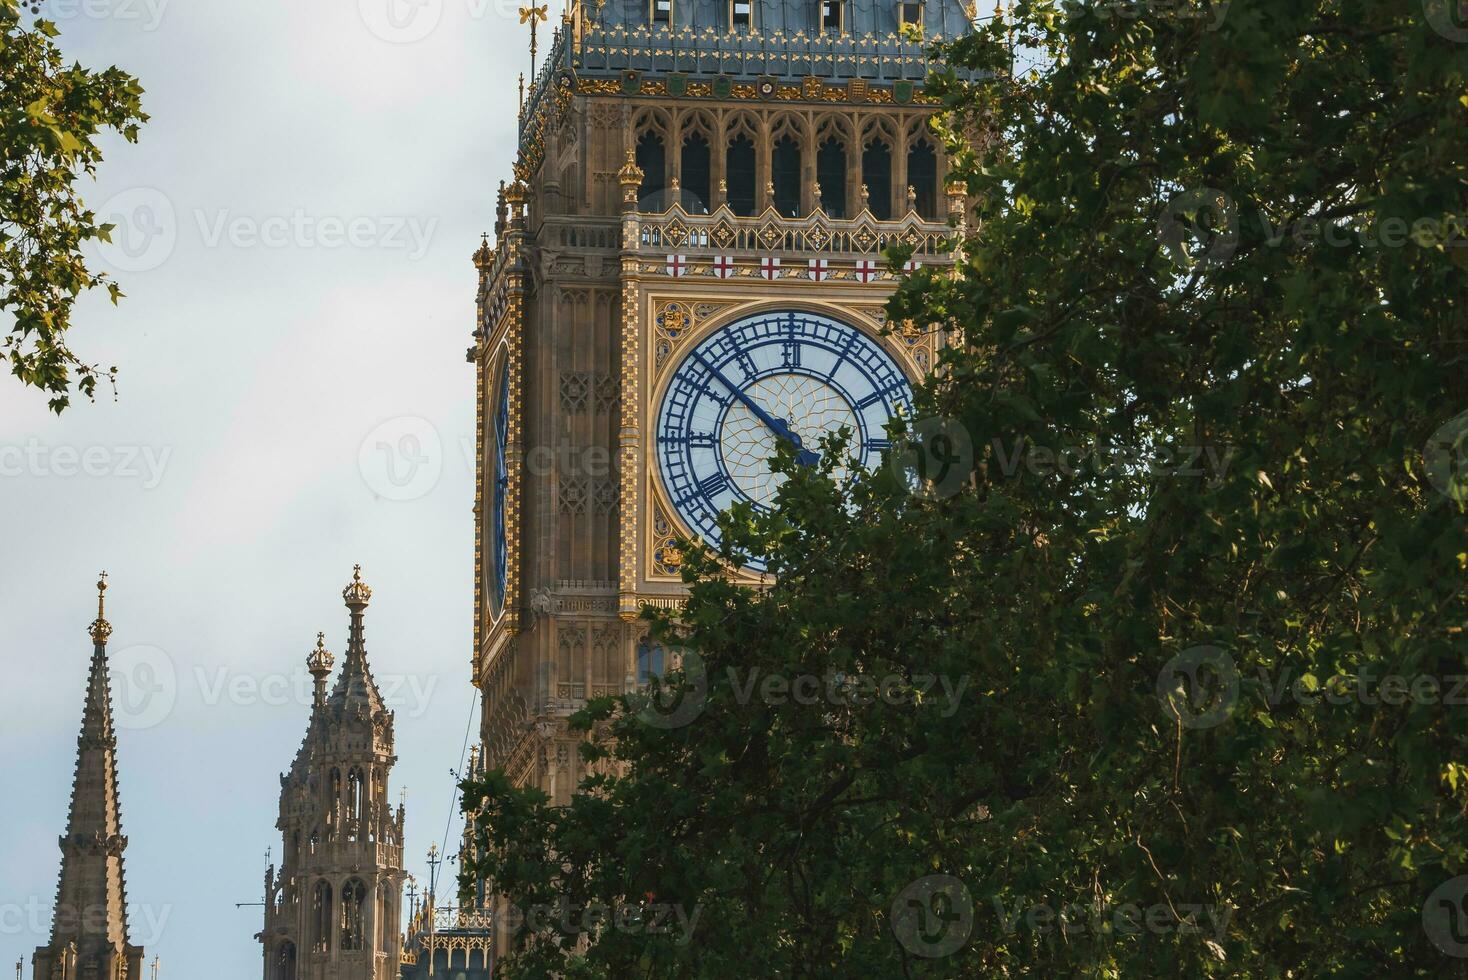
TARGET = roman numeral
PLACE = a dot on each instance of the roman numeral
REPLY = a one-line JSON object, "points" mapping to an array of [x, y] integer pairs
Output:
{"points": [[713, 485], [704, 440]]}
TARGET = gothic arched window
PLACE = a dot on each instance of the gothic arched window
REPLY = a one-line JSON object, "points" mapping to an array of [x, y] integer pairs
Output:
{"points": [[649, 661], [285, 961], [876, 174], [356, 803], [652, 160], [785, 173], [739, 167], [333, 803], [922, 177], [695, 174], [831, 176], [321, 918], [354, 899]]}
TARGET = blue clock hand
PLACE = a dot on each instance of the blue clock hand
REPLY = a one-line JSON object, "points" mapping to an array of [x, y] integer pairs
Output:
{"points": [[778, 426]]}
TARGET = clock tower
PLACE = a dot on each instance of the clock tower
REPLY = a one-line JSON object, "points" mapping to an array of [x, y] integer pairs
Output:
{"points": [[686, 270]]}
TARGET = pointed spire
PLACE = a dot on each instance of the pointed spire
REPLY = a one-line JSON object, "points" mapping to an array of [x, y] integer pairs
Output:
{"points": [[90, 924], [355, 692]]}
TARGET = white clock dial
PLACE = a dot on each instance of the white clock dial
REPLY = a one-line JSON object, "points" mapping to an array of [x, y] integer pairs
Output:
{"points": [[785, 375]]}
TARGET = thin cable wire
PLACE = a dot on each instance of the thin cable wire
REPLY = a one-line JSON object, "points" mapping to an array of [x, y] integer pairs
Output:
{"points": [[454, 799]]}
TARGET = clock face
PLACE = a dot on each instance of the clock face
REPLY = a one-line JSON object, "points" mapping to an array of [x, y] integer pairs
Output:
{"points": [[499, 480], [784, 375]]}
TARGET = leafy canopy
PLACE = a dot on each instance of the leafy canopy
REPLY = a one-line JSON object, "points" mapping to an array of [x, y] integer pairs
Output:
{"points": [[50, 117], [1205, 396]]}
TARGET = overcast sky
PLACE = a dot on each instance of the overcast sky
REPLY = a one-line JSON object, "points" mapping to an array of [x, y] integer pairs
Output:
{"points": [[296, 226]]}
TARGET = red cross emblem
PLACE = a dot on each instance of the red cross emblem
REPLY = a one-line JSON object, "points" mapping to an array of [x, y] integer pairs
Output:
{"points": [[866, 270], [769, 267], [911, 265], [723, 266], [677, 265], [819, 269]]}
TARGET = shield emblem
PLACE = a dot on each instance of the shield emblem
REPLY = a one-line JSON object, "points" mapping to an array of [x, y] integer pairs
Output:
{"points": [[856, 89], [812, 88], [677, 84], [902, 92], [631, 82], [723, 87], [766, 87]]}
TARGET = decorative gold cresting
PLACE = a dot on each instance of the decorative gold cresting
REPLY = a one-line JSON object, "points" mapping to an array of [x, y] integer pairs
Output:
{"points": [[357, 592], [320, 661], [101, 629]]}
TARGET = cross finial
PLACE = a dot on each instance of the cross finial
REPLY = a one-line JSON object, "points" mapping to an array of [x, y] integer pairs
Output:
{"points": [[101, 629]]}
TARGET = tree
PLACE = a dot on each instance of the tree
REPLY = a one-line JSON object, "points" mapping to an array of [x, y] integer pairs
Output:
{"points": [[1182, 528], [50, 117]]}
